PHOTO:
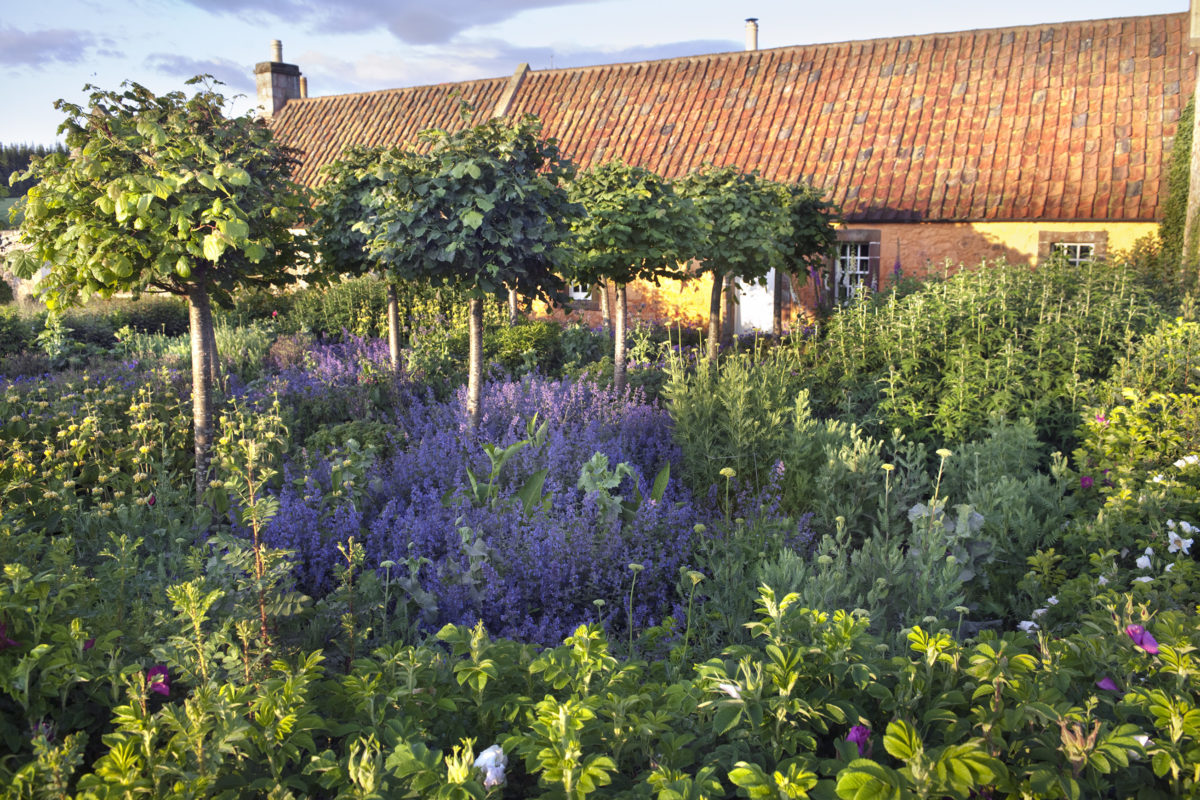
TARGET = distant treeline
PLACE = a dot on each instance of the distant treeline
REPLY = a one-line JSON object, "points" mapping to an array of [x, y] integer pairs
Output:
{"points": [[16, 158]]}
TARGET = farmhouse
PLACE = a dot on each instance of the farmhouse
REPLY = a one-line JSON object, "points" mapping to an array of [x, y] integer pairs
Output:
{"points": [[1005, 143]]}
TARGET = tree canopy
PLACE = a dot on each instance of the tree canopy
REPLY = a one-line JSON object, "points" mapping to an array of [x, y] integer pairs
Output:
{"points": [[636, 228], [746, 229], [483, 210], [162, 193]]}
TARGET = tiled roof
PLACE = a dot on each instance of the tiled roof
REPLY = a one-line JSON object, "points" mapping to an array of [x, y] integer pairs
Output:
{"points": [[320, 128], [1063, 121]]}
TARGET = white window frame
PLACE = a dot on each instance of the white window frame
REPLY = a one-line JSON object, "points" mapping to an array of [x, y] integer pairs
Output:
{"points": [[851, 270], [579, 292], [1075, 254]]}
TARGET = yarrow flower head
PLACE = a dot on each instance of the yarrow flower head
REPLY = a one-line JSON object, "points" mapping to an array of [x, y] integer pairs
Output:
{"points": [[159, 679], [1142, 638], [861, 736]]}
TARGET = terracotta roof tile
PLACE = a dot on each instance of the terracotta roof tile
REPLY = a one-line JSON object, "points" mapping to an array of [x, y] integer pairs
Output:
{"points": [[1062, 121]]}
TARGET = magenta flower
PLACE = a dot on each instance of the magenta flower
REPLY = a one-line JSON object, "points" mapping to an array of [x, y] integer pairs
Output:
{"points": [[1085, 482], [5, 641], [89, 644], [861, 736], [159, 679], [1101, 419], [1107, 684], [1142, 638]]}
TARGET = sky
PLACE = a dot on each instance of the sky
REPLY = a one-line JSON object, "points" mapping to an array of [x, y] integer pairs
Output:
{"points": [[50, 49]]}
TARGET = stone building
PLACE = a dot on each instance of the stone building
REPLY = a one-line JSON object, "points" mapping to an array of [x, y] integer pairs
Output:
{"points": [[949, 147]]}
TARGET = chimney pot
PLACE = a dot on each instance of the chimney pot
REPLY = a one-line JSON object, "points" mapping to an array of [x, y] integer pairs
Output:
{"points": [[303, 86], [276, 51], [751, 33]]}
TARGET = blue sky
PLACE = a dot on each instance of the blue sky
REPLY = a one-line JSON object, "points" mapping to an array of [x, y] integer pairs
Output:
{"points": [[50, 49]]}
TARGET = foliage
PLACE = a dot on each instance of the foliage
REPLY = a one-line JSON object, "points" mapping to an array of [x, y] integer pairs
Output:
{"points": [[939, 363], [1174, 213], [161, 188], [15, 159]]}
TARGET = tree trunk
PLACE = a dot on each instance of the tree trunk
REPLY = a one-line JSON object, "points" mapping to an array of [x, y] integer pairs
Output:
{"points": [[393, 319], [714, 318], [513, 315], [214, 355], [730, 311], [777, 304], [475, 365], [606, 318], [619, 340], [200, 319]]}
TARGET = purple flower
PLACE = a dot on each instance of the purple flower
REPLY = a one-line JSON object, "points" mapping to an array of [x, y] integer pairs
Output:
{"points": [[1085, 482], [1107, 684], [1142, 638], [5, 641], [89, 644], [861, 736], [159, 679]]}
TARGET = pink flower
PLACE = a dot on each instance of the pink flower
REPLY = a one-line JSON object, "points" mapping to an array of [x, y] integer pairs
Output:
{"points": [[1101, 419], [1107, 684], [861, 736], [1142, 638], [159, 679], [5, 641], [1085, 482]]}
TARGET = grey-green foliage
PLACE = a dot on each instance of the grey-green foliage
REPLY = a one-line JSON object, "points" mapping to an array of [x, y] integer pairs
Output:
{"points": [[898, 580]]}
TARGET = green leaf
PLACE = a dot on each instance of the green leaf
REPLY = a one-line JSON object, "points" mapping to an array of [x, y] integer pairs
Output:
{"points": [[902, 741], [214, 246], [472, 219]]}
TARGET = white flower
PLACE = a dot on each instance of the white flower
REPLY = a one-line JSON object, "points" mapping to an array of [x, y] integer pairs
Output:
{"points": [[1103, 581], [1178, 543], [1149, 551], [1157, 479], [493, 758], [1037, 612], [494, 777], [1143, 562], [1027, 625], [1169, 567], [1143, 579], [1188, 527], [1170, 524], [730, 689], [1052, 600], [1183, 462], [1143, 739]]}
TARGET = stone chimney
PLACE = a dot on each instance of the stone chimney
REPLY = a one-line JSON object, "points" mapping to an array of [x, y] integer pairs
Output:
{"points": [[751, 33], [277, 82]]}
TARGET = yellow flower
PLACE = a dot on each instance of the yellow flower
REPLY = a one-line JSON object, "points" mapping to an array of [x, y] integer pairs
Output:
{"points": [[728, 472], [943, 452]]}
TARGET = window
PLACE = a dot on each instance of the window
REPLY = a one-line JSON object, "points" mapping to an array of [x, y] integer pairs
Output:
{"points": [[1075, 247], [856, 265], [579, 292], [1074, 253]]}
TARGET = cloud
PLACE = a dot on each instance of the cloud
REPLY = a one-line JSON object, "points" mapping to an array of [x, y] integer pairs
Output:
{"points": [[39, 49], [465, 60], [231, 73], [410, 21]]}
